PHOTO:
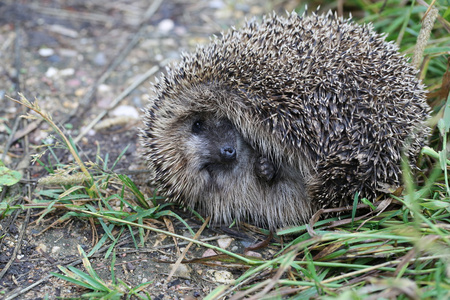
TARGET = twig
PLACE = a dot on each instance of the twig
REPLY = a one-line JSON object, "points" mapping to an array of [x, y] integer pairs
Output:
{"points": [[69, 15], [151, 11], [183, 255]]}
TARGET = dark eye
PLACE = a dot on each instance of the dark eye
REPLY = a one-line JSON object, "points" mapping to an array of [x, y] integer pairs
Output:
{"points": [[197, 127]]}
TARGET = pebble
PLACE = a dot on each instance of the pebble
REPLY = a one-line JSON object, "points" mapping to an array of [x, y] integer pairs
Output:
{"points": [[182, 271], [91, 132], [166, 25], [63, 30], [46, 52], [209, 252], [41, 248], [51, 72], [125, 110], [104, 88], [217, 4], [130, 266], [100, 59], [75, 82], [68, 52], [221, 276], [67, 72], [224, 243], [253, 253]]}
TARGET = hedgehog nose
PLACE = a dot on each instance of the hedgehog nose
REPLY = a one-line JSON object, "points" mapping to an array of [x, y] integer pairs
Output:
{"points": [[228, 153]]}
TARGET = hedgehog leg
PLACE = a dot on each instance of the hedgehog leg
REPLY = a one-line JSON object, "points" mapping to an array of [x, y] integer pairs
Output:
{"points": [[265, 169]]}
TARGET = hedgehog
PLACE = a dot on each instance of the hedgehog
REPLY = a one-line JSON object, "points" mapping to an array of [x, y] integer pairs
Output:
{"points": [[282, 117]]}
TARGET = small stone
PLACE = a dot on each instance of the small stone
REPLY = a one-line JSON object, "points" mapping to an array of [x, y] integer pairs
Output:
{"points": [[63, 30], [75, 82], [209, 252], [46, 52], [67, 72], [221, 276], [79, 93], [166, 25], [41, 248], [253, 253], [51, 72], [130, 266], [217, 4], [174, 283], [224, 243], [56, 249], [68, 52], [104, 88], [125, 110], [182, 271], [100, 59]]}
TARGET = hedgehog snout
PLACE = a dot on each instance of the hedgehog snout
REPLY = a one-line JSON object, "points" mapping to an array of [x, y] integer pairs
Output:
{"points": [[222, 153], [228, 153], [221, 157]]}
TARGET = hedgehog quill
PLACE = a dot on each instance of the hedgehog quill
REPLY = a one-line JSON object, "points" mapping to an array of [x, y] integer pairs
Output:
{"points": [[278, 119]]}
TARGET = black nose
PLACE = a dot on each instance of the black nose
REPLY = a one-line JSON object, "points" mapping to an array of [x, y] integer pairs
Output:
{"points": [[227, 153]]}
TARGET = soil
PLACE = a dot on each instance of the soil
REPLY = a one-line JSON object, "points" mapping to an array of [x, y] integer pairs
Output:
{"points": [[75, 57]]}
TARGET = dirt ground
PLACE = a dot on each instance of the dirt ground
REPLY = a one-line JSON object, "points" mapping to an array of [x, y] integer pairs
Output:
{"points": [[76, 57]]}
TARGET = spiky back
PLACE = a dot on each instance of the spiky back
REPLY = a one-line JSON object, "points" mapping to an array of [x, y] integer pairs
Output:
{"points": [[319, 91]]}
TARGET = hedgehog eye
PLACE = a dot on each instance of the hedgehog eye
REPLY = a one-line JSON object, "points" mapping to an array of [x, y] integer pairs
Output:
{"points": [[197, 126]]}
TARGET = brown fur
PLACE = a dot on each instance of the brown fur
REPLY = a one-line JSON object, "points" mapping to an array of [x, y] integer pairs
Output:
{"points": [[324, 105]]}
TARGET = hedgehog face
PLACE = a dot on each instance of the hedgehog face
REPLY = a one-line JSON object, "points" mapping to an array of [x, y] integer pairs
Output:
{"points": [[214, 170], [215, 149]]}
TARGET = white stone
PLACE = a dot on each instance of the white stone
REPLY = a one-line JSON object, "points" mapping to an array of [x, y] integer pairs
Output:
{"points": [[166, 25], [224, 243], [46, 52], [125, 110], [51, 72]]}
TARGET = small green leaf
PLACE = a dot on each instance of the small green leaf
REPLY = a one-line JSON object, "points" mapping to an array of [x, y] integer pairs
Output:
{"points": [[8, 177], [368, 202], [443, 159], [435, 204]]}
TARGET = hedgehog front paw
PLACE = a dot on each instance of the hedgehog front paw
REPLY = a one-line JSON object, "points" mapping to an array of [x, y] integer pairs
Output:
{"points": [[265, 169]]}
